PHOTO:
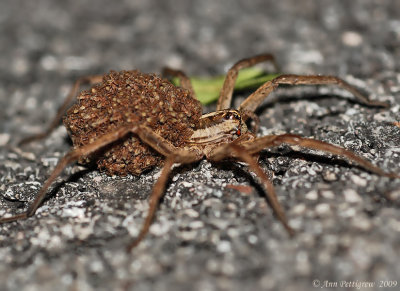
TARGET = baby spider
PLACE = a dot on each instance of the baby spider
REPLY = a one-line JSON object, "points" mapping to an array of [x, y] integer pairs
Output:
{"points": [[130, 121]]}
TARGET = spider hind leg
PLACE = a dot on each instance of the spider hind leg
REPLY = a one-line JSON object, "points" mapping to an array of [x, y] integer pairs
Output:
{"points": [[63, 108], [269, 141]]}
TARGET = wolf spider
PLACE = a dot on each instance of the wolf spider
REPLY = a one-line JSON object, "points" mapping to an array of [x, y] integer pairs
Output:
{"points": [[132, 121]]}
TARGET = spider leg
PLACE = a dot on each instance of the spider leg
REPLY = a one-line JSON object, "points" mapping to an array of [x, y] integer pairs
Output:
{"points": [[183, 79], [161, 145], [254, 100], [225, 97], [269, 141], [61, 111], [234, 150], [180, 156]]}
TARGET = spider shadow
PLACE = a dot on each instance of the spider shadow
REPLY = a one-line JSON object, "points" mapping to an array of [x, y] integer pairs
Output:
{"points": [[70, 179], [332, 160], [242, 171], [238, 170]]}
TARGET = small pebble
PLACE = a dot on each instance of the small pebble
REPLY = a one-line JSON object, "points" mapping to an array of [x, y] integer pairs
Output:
{"points": [[352, 38], [322, 209], [4, 138], [312, 195], [329, 176], [351, 196], [359, 181]]}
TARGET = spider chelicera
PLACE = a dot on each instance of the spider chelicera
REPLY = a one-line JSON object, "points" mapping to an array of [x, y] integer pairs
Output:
{"points": [[130, 121]]}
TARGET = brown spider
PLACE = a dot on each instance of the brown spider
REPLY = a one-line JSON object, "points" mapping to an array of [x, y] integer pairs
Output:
{"points": [[130, 121]]}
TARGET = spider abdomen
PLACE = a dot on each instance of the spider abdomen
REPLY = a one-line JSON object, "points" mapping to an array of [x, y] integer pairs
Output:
{"points": [[131, 97]]}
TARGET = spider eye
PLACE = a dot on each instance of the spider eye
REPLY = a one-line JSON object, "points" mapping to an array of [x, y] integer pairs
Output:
{"points": [[228, 116], [231, 116]]}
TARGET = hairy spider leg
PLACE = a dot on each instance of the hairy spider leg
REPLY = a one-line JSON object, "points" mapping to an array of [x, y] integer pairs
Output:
{"points": [[269, 141], [237, 151], [184, 80], [146, 134], [254, 100], [245, 149], [93, 79], [225, 97], [179, 156]]}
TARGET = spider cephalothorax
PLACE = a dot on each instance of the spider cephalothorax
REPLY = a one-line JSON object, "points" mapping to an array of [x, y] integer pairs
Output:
{"points": [[131, 121], [218, 127]]}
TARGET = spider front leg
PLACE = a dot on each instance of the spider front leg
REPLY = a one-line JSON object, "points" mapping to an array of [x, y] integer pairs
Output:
{"points": [[254, 100], [270, 141], [149, 137], [179, 156], [245, 150], [70, 157], [225, 98], [234, 150], [61, 111]]}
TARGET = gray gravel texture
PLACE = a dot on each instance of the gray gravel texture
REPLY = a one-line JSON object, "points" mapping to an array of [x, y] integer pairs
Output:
{"points": [[208, 235]]}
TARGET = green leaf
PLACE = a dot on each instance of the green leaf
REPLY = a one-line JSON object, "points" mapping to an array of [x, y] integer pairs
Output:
{"points": [[207, 89]]}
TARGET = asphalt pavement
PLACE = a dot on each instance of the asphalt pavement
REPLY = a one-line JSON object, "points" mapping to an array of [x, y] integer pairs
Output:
{"points": [[214, 229]]}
